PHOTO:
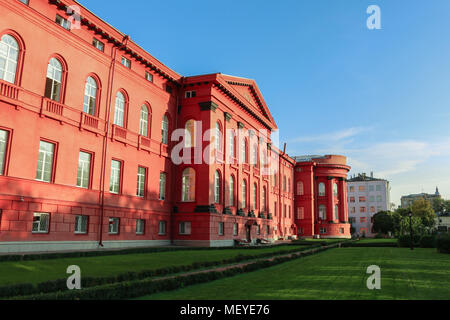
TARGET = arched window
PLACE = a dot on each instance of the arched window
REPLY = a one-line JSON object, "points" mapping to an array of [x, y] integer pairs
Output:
{"points": [[263, 203], [218, 138], [323, 212], [300, 188], [90, 96], [336, 212], [165, 130], [9, 56], [231, 192], [244, 151], [335, 189], [255, 155], [189, 134], [53, 84], [244, 194], [217, 187], [255, 196], [322, 189], [188, 185], [143, 121], [232, 144], [119, 110]]}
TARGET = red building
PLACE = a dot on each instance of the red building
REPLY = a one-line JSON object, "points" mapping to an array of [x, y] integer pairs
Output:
{"points": [[121, 151], [321, 196]]}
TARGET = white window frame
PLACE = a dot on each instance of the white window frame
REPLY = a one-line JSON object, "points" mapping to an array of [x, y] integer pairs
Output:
{"points": [[80, 222], [235, 229], [38, 225], [90, 96], [221, 230], [141, 178], [162, 186], [162, 228], [45, 165], [119, 110], [165, 130], [148, 76], [217, 187], [140, 226], [63, 22], [4, 137], [114, 225], [125, 62], [115, 180], [98, 44], [184, 228], [143, 121], [84, 170], [10, 55], [55, 75]]}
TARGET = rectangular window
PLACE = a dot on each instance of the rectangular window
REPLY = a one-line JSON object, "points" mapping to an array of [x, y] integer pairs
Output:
{"points": [[362, 199], [98, 44], [352, 199], [84, 170], [268, 230], [371, 199], [363, 219], [190, 94], [184, 228], [300, 213], [140, 226], [114, 225], [352, 220], [114, 184], [353, 210], [221, 228], [162, 186], [361, 188], [3, 147], [162, 228], [362, 209], [81, 224], [141, 178], [379, 187], [258, 230], [371, 188], [323, 230], [379, 199], [45, 161], [235, 229], [127, 63], [63, 22], [148, 76], [352, 189], [372, 209], [41, 222]]}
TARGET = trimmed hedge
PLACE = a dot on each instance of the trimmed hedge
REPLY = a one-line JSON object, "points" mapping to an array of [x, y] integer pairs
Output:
{"points": [[404, 241], [133, 289], [82, 254], [86, 282], [372, 245], [443, 244], [428, 242]]}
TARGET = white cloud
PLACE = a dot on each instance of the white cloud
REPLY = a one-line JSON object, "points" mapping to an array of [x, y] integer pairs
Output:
{"points": [[332, 136]]}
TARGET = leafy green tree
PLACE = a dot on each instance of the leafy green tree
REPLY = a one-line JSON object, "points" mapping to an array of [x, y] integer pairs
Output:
{"points": [[383, 222], [422, 208], [417, 226], [438, 205]]}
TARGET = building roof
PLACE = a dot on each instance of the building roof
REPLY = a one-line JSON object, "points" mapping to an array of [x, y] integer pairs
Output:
{"points": [[423, 195], [362, 178]]}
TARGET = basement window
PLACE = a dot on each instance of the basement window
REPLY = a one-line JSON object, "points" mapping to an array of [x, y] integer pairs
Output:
{"points": [[114, 225], [41, 222]]}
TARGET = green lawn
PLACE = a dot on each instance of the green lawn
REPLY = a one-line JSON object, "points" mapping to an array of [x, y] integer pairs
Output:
{"points": [[16, 272], [334, 274]]}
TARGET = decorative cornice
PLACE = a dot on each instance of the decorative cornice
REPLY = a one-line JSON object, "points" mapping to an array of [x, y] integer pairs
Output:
{"points": [[208, 106], [228, 116]]}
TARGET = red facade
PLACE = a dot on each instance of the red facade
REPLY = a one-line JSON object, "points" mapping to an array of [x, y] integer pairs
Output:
{"points": [[321, 196], [88, 122]]}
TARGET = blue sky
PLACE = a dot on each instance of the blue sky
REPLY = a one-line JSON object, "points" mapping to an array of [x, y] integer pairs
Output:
{"points": [[381, 97]]}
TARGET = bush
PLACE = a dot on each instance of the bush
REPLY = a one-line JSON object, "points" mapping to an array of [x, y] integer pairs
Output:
{"points": [[379, 236], [428, 242], [404, 241], [443, 244]]}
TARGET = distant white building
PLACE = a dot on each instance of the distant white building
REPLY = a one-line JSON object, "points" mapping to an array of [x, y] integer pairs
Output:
{"points": [[366, 197]]}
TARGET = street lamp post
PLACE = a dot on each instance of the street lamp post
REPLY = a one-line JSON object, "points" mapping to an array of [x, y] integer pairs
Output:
{"points": [[411, 230]]}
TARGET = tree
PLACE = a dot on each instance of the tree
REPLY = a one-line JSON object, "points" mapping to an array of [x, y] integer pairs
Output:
{"points": [[422, 208], [383, 222], [438, 205]]}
